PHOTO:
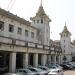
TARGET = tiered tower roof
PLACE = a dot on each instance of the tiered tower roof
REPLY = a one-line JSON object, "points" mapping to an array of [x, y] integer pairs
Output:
{"points": [[65, 30], [41, 13]]}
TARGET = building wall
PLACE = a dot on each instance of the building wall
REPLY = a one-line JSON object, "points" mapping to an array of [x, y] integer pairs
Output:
{"points": [[65, 44], [14, 34], [43, 30]]}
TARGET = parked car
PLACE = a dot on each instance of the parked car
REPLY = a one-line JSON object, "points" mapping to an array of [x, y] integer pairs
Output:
{"points": [[3, 69], [53, 72], [57, 65], [72, 64], [38, 71], [54, 67], [25, 72], [66, 66], [12, 74], [46, 69]]}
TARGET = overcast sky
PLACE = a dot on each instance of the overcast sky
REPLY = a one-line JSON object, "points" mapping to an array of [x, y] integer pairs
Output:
{"points": [[59, 11]]}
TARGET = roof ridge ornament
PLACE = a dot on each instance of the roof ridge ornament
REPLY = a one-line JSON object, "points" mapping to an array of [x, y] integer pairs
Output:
{"points": [[65, 27]]}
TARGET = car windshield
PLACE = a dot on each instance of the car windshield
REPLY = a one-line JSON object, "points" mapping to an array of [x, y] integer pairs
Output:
{"points": [[27, 71], [42, 68], [52, 67], [35, 69]]}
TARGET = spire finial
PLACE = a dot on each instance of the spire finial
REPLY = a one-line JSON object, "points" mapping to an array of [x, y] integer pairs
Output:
{"points": [[65, 23], [41, 2]]}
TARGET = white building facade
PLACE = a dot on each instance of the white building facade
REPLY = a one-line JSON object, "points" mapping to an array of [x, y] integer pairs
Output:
{"points": [[24, 43]]}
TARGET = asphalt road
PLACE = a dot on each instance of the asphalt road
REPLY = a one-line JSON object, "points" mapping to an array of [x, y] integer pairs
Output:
{"points": [[69, 72]]}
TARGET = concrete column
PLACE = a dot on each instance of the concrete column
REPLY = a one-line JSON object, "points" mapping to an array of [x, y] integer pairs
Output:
{"points": [[25, 60], [43, 59], [59, 59], [35, 60], [54, 59], [49, 59], [12, 62]]}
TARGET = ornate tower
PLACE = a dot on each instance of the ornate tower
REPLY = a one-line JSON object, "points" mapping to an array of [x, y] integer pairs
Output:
{"points": [[65, 41], [41, 22]]}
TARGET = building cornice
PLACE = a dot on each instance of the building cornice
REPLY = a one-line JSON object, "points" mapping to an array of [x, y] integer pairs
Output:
{"points": [[15, 17]]}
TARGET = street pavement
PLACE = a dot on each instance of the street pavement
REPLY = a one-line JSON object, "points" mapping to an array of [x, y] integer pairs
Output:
{"points": [[69, 72]]}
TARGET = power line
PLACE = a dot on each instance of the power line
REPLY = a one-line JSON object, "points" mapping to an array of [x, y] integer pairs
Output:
{"points": [[10, 5]]}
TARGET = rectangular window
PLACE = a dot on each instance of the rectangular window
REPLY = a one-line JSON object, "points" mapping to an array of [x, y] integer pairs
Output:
{"points": [[37, 21], [64, 50], [64, 46], [1, 25], [11, 28], [32, 34], [64, 41], [19, 30], [41, 21], [26, 33], [34, 21]]}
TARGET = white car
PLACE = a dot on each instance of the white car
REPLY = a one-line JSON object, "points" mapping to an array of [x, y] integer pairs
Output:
{"points": [[44, 68], [53, 72], [25, 72], [38, 71], [54, 68], [13, 74]]}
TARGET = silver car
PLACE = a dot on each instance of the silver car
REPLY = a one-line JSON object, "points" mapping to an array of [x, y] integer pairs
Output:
{"points": [[53, 72], [46, 69], [38, 71], [25, 72], [55, 68]]}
